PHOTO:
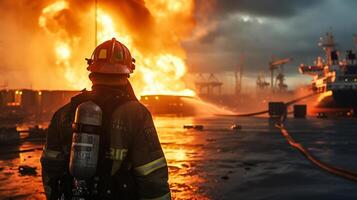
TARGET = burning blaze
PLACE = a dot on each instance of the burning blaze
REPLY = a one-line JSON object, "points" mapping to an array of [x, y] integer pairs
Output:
{"points": [[154, 42]]}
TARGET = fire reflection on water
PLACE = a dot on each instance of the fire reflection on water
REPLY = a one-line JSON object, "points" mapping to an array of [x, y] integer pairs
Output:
{"points": [[182, 150], [12, 183], [181, 147]]}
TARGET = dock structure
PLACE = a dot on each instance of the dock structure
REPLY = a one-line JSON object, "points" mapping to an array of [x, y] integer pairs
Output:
{"points": [[279, 84], [36, 104], [210, 86]]}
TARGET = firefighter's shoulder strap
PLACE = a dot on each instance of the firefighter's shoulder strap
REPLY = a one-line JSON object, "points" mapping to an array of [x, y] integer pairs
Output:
{"points": [[84, 96], [109, 100], [109, 103]]}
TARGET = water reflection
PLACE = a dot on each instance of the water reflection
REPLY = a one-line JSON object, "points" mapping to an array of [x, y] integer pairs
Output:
{"points": [[15, 185], [217, 163], [181, 147]]}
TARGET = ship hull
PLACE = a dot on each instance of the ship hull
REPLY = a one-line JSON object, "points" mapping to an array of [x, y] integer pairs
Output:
{"points": [[168, 105], [338, 99]]}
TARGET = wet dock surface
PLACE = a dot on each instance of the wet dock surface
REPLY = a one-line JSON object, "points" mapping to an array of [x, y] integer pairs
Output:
{"points": [[218, 163]]}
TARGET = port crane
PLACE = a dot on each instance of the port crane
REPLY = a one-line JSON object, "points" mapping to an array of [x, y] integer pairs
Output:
{"points": [[208, 85], [279, 82], [261, 82], [239, 75]]}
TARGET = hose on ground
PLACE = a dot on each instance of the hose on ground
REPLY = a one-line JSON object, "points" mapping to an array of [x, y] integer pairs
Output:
{"points": [[267, 111], [350, 175]]}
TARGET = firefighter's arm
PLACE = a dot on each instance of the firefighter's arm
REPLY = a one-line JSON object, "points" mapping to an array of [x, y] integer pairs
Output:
{"points": [[53, 159], [149, 163]]}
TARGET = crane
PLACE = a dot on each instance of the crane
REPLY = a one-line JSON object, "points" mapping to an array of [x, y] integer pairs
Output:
{"points": [[261, 82], [208, 84], [239, 74], [274, 65]]}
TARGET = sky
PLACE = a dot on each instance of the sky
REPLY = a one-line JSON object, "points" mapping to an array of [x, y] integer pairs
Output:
{"points": [[260, 29], [222, 31]]}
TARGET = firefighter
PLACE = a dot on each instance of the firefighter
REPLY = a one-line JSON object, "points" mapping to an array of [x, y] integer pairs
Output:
{"points": [[103, 144]]}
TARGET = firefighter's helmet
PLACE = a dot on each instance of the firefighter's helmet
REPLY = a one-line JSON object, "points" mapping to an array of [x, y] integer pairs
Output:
{"points": [[111, 57]]}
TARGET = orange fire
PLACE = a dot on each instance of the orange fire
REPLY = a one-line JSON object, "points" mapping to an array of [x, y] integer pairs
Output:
{"points": [[160, 59]]}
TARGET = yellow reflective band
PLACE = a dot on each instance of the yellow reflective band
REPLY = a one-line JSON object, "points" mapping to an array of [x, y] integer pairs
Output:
{"points": [[165, 197], [150, 167], [118, 154], [47, 153]]}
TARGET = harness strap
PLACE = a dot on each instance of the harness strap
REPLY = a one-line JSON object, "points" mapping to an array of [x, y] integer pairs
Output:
{"points": [[108, 99]]}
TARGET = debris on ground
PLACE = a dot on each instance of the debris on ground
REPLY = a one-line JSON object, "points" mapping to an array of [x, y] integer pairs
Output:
{"points": [[236, 127], [247, 168], [27, 170], [321, 115], [196, 127]]}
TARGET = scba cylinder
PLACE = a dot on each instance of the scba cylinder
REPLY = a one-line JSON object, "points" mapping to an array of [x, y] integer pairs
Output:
{"points": [[85, 140]]}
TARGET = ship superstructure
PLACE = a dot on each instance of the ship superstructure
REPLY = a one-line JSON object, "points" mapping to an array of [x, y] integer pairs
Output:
{"points": [[335, 79]]}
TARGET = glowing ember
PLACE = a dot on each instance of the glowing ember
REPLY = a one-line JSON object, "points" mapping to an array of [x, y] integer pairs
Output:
{"points": [[160, 62]]}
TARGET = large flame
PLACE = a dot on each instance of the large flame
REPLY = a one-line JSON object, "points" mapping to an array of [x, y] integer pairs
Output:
{"points": [[160, 60]]}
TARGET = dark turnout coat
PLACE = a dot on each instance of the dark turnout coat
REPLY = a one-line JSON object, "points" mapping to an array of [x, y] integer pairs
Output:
{"points": [[138, 169]]}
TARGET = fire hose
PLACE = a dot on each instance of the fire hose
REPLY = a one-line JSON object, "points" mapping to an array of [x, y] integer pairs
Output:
{"points": [[349, 175], [331, 169], [267, 111]]}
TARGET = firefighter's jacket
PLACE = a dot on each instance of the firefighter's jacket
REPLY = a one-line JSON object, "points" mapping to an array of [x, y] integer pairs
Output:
{"points": [[134, 145]]}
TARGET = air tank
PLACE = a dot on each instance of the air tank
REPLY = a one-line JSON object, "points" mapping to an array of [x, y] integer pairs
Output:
{"points": [[85, 140]]}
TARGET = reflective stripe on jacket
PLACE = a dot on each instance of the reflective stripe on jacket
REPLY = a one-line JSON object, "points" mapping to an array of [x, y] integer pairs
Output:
{"points": [[133, 138]]}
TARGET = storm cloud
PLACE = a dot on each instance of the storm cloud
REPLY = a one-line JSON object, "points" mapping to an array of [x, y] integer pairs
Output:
{"points": [[271, 8], [262, 29]]}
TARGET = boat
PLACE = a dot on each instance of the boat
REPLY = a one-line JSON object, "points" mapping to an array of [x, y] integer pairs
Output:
{"points": [[334, 79], [168, 104]]}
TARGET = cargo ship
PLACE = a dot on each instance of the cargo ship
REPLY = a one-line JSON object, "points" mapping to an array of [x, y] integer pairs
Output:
{"points": [[334, 79], [168, 104]]}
